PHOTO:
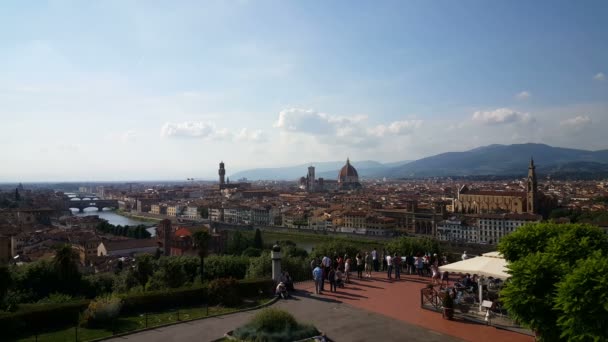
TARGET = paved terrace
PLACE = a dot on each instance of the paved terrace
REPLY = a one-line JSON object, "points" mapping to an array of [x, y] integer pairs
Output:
{"points": [[366, 310]]}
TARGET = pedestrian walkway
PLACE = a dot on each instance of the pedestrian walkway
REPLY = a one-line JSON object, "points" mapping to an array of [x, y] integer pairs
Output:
{"points": [[341, 322], [367, 310], [401, 300]]}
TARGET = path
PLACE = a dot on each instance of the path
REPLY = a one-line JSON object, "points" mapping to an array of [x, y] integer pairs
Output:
{"points": [[339, 321], [366, 310], [401, 301]]}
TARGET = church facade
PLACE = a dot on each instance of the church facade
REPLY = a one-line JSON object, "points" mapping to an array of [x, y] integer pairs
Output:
{"points": [[483, 201]]}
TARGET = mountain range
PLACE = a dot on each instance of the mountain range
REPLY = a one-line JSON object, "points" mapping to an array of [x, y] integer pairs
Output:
{"points": [[493, 160]]}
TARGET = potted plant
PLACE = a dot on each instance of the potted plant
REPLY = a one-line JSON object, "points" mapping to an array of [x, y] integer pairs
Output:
{"points": [[448, 306]]}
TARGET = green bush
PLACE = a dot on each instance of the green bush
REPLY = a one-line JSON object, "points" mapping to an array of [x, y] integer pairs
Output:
{"points": [[40, 317], [335, 247], [412, 246], [159, 300], [274, 325], [196, 295], [98, 284], [226, 266], [56, 298], [102, 311], [260, 267], [255, 287], [224, 291], [252, 252]]}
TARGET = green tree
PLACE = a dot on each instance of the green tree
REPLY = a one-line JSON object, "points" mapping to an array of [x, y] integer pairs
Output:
{"points": [[529, 293], [582, 297], [200, 240], [6, 281], [203, 212], [144, 268], [257, 239], [65, 264], [541, 258], [238, 243]]}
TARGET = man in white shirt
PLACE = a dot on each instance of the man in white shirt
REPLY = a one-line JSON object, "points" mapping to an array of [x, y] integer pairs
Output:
{"points": [[389, 263], [464, 256]]}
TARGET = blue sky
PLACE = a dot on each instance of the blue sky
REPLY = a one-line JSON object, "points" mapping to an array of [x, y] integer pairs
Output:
{"points": [[113, 90]]}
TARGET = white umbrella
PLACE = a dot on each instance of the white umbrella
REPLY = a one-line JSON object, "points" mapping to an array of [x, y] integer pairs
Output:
{"points": [[489, 264]]}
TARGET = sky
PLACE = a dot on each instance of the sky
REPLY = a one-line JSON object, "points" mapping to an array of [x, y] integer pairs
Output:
{"points": [[142, 90]]}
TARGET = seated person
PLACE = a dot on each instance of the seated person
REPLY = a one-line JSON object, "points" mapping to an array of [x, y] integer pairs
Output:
{"points": [[288, 281], [339, 281], [281, 291]]}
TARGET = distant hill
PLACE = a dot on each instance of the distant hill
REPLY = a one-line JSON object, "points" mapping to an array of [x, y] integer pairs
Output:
{"points": [[328, 170], [492, 160], [504, 160]]}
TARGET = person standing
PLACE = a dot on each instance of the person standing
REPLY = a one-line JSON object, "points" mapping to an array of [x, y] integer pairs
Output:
{"points": [[317, 275], [375, 260], [389, 266], [384, 266], [347, 266], [359, 259], [331, 276], [368, 265], [314, 263], [397, 265]]}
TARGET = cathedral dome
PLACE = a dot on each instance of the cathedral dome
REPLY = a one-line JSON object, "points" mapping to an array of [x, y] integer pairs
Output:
{"points": [[348, 174]]}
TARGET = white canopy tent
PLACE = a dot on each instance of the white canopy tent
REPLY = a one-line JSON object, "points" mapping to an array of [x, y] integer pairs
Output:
{"points": [[489, 264]]}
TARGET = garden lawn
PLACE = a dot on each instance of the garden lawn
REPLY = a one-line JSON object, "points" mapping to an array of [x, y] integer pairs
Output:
{"points": [[135, 322]]}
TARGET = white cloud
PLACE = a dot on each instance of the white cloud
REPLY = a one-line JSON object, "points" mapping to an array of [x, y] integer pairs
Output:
{"points": [[190, 129], [209, 131], [500, 116], [524, 95], [599, 76], [250, 135], [128, 136], [577, 121], [396, 128], [340, 130]]}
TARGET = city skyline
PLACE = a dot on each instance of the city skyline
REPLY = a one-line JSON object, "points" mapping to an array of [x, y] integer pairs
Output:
{"points": [[119, 90]]}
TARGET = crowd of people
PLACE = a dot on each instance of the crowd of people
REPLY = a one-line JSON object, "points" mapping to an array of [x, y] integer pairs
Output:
{"points": [[337, 270]]}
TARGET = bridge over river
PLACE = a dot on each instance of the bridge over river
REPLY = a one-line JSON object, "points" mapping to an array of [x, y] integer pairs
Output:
{"points": [[81, 203]]}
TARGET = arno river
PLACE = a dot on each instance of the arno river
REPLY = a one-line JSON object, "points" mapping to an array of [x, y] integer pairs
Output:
{"points": [[113, 218]]}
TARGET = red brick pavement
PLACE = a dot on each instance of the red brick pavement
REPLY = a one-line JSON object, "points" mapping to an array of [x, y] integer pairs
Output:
{"points": [[401, 300]]}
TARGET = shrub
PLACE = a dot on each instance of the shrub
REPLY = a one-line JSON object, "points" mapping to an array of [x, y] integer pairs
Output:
{"points": [[56, 298], [260, 267], [163, 299], [412, 246], [226, 266], [98, 284], [255, 287], [189, 296], [39, 317], [102, 311], [224, 291], [332, 247], [252, 252], [274, 325]]}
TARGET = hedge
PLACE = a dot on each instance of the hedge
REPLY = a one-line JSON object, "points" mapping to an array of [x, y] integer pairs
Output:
{"points": [[41, 317]]}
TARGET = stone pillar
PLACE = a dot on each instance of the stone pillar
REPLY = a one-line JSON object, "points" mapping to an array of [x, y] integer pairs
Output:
{"points": [[275, 255]]}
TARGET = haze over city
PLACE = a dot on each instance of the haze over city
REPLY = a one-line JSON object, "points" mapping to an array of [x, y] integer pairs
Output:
{"points": [[119, 90]]}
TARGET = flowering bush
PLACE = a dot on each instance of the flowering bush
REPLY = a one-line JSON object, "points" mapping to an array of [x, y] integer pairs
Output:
{"points": [[102, 310]]}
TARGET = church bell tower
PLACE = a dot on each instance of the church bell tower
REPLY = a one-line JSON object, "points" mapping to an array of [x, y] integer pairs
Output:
{"points": [[531, 189]]}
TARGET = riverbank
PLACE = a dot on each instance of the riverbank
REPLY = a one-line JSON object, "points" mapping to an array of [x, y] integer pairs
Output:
{"points": [[138, 217]]}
